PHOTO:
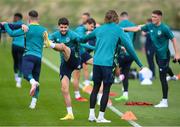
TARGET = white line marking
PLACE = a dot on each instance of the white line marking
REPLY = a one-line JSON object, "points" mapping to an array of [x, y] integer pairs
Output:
{"points": [[112, 108]]}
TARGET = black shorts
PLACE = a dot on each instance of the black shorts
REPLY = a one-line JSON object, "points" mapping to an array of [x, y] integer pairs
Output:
{"points": [[103, 73], [125, 61], [85, 57], [31, 67], [67, 67]]}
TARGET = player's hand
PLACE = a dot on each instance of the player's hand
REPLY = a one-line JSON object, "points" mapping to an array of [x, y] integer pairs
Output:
{"points": [[24, 27], [176, 58], [3, 23], [45, 35]]}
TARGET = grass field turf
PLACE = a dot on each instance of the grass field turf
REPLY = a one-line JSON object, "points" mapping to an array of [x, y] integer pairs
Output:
{"points": [[14, 102]]}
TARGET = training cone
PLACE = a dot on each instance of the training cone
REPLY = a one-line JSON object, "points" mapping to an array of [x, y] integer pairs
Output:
{"points": [[128, 116], [178, 76], [113, 94], [87, 89]]}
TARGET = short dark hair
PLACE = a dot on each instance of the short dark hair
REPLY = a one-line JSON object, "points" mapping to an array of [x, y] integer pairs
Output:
{"points": [[124, 13], [19, 15], [63, 21], [111, 16], [87, 14], [157, 12], [33, 14], [91, 21]]}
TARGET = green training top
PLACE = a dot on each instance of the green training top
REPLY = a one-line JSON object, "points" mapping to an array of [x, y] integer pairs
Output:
{"points": [[124, 24], [34, 38], [160, 36], [81, 30], [108, 37], [71, 39], [18, 41]]}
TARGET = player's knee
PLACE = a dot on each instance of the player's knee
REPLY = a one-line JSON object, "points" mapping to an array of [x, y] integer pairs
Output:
{"points": [[64, 89]]}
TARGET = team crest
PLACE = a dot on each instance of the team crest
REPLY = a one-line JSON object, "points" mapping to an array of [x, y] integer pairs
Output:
{"points": [[67, 39], [159, 32]]}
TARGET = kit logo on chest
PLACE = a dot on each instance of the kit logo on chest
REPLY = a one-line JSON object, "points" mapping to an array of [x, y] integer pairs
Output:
{"points": [[67, 39], [159, 32]]}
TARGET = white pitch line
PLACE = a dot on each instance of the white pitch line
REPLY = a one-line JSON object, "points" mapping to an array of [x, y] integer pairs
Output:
{"points": [[112, 108]]}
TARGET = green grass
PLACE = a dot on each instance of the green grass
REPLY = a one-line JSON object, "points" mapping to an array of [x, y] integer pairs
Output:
{"points": [[14, 102]]}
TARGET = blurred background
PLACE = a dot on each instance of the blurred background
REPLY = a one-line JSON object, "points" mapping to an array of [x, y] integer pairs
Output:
{"points": [[51, 10]]}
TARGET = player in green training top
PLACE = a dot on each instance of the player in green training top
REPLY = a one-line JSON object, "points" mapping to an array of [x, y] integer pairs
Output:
{"points": [[160, 35], [67, 42], [17, 50], [124, 59], [108, 37], [31, 64]]}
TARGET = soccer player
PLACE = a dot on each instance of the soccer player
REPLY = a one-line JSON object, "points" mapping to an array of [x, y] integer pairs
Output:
{"points": [[85, 16], [81, 30], [86, 58], [108, 37], [17, 50], [124, 59], [160, 35], [67, 42], [31, 64]]}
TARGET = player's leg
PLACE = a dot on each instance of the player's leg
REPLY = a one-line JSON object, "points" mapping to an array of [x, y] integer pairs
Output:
{"points": [[67, 98], [171, 76], [86, 59], [97, 79], [150, 59], [28, 66], [58, 47], [125, 66], [36, 73], [107, 82], [65, 75], [19, 57], [76, 82], [163, 67], [15, 62]]}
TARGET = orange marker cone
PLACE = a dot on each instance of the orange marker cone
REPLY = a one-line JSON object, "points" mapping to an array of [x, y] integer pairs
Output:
{"points": [[178, 76], [87, 89], [129, 116]]}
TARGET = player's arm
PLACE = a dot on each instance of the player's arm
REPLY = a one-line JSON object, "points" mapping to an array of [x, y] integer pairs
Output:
{"points": [[133, 29], [12, 26], [88, 37], [15, 26], [169, 34], [14, 33], [87, 46], [126, 41], [175, 45]]}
